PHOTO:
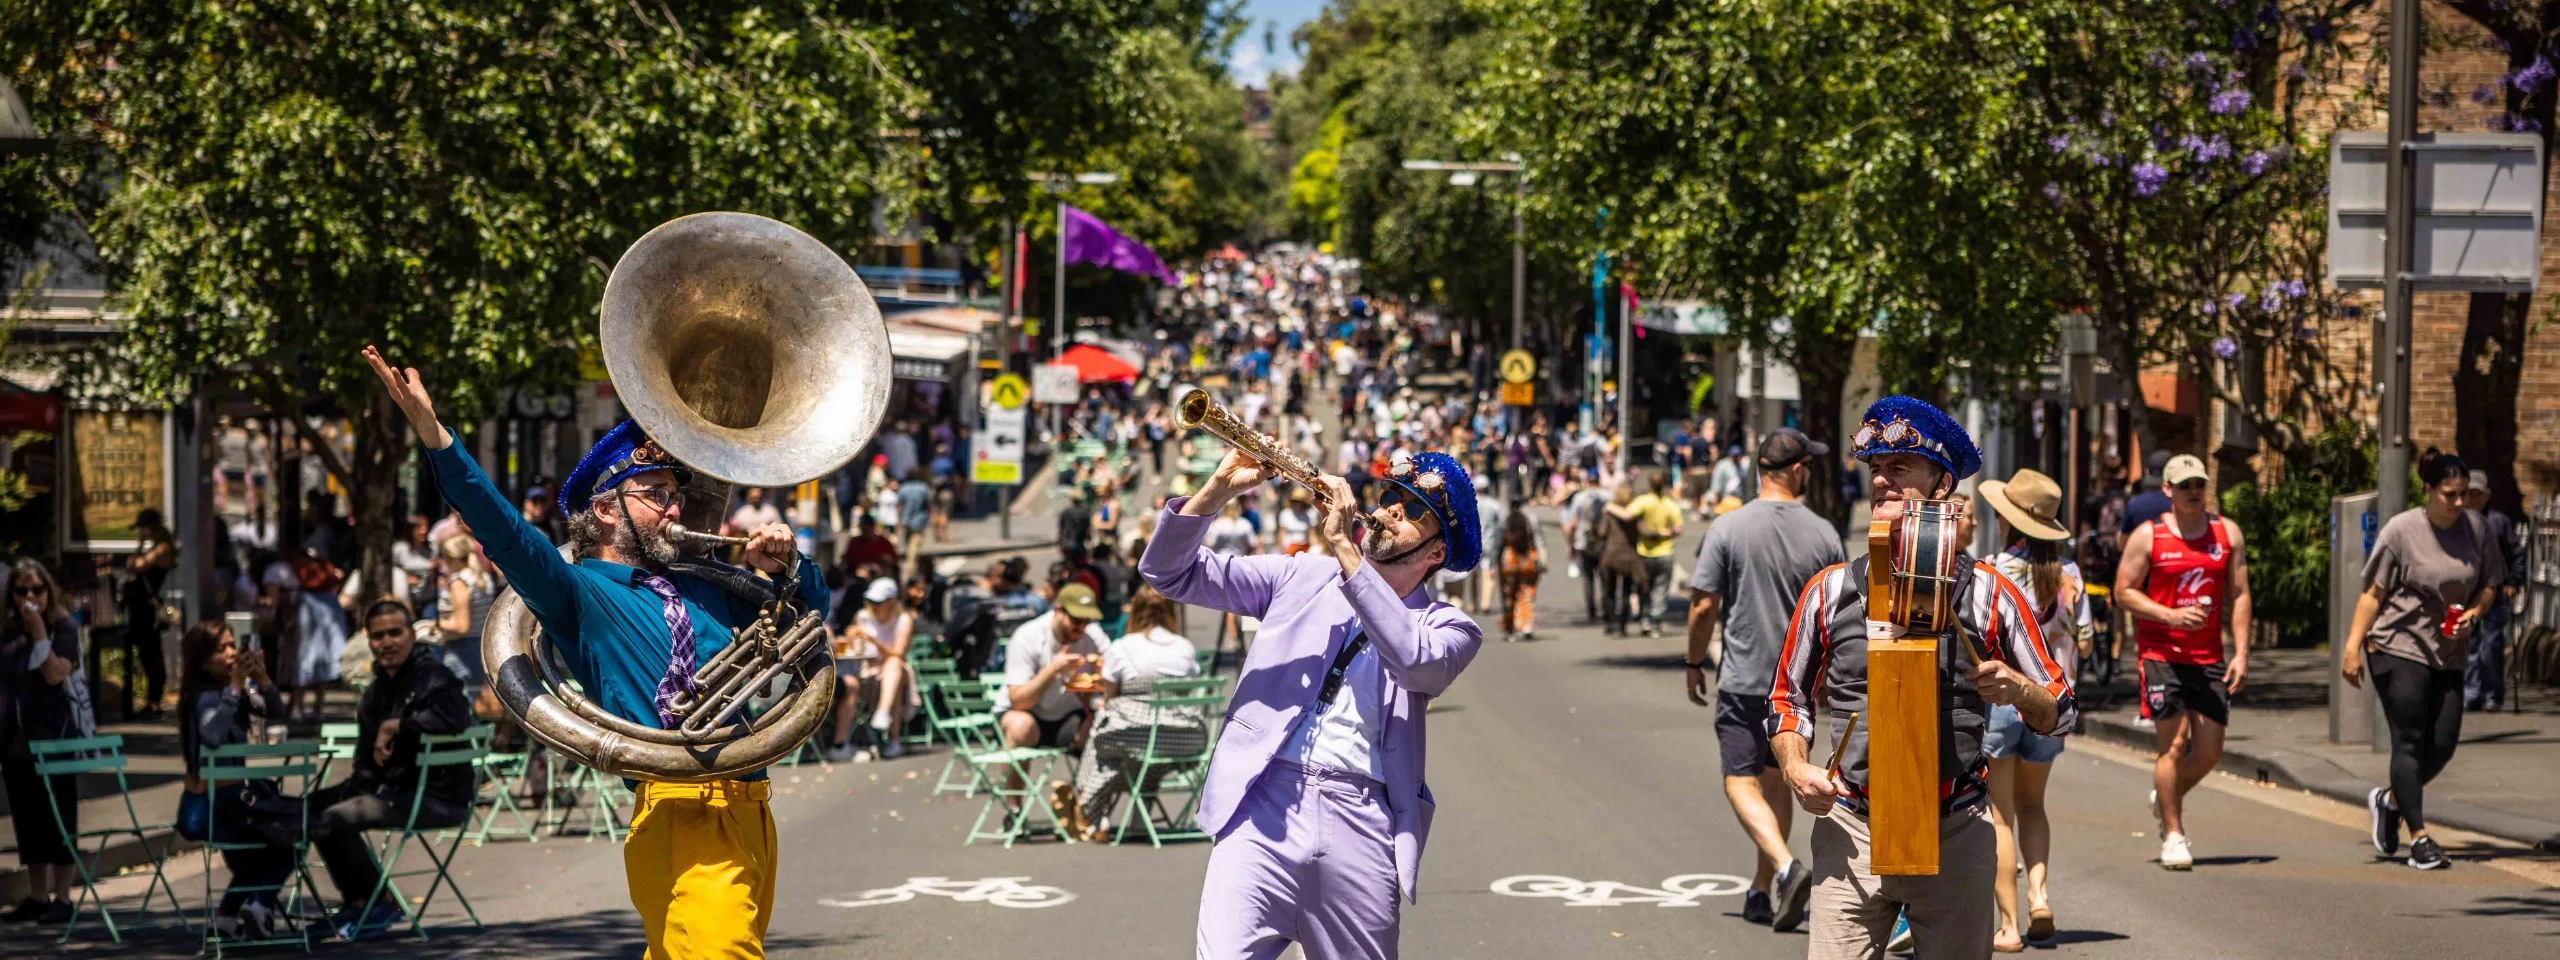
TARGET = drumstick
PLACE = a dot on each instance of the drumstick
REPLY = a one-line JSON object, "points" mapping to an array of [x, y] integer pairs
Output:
{"points": [[1842, 745]]}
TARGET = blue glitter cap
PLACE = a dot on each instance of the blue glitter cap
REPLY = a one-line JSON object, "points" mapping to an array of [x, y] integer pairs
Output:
{"points": [[623, 453], [1900, 424], [1444, 487]]}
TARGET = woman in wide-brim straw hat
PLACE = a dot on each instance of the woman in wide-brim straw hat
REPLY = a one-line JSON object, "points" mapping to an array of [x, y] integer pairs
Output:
{"points": [[2021, 759]]}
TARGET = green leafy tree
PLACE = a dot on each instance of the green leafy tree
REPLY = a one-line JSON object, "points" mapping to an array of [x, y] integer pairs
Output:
{"points": [[286, 182]]}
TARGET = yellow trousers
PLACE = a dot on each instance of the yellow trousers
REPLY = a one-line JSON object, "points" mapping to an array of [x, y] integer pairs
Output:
{"points": [[701, 861]]}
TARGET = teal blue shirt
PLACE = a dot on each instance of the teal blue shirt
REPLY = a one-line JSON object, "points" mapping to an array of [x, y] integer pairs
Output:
{"points": [[609, 629]]}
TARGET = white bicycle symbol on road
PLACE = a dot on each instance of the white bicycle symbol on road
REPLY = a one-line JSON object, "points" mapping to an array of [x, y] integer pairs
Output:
{"points": [[998, 891], [1684, 890]]}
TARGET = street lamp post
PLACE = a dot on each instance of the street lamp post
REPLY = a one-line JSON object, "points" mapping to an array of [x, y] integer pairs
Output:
{"points": [[1465, 175]]}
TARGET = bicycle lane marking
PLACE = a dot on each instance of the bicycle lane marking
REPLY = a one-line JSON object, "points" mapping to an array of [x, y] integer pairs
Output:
{"points": [[1684, 890], [1010, 892]]}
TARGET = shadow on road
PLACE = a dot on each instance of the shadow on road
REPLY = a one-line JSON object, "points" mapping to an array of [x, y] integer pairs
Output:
{"points": [[2061, 937], [599, 935], [2234, 861], [2542, 906]]}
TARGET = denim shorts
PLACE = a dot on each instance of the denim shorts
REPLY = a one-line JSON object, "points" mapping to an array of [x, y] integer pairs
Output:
{"points": [[2005, 733]]}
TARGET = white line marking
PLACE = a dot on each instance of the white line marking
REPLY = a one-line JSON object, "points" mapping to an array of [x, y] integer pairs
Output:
{"points": [[998, 891], [1684, 890]]}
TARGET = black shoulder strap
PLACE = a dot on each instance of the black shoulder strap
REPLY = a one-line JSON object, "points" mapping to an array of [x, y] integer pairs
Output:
{"points": [[1341, 665], [738, 582]]}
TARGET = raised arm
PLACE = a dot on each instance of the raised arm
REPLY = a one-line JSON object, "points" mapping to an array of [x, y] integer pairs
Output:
{"points": [[1177, 566], [532, 565], [1424, 650]]}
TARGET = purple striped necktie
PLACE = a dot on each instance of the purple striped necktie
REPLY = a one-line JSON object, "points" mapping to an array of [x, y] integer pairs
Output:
{"points": [[681, 662]]}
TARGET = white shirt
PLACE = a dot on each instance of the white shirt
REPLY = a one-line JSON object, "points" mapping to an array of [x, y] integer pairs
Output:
{"points": [[884, 507], [1156, 653], [1343, 735], [1034, 644], [1294, 524]]}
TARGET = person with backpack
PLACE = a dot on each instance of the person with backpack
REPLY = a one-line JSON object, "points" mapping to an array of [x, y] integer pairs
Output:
{"points": [[2185, 579]]}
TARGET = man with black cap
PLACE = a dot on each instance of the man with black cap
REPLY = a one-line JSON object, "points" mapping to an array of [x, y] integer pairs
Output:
{"points": [[1753, 564]]}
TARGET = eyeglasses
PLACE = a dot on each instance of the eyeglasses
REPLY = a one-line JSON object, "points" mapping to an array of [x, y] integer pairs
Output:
{"points": [[664, 497], [33, 591], [2191, 485]]}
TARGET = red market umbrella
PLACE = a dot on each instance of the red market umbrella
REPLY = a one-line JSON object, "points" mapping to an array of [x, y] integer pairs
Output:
{"points": [[1096, 365]]}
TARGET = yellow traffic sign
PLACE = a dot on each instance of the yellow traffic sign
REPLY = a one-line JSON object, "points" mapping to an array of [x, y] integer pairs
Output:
{"points": [[1519, 394], [1009, 391], [1519, 366], [995, 471]]}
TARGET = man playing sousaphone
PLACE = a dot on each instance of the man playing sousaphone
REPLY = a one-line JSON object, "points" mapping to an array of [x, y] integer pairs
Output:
{"points": [[1914, 453], [700, 861]]}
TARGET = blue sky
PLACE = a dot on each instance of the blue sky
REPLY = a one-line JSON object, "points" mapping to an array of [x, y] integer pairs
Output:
{"points": [[1249, 64]]}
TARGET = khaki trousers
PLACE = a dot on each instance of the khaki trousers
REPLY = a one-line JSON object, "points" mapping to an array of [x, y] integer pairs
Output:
{"points": [[1853, 910]]}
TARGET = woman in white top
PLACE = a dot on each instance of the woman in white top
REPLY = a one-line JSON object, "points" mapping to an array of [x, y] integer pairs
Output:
{"points": [[2022, 759], [1149, 652], [871, 657], [469, 589]]}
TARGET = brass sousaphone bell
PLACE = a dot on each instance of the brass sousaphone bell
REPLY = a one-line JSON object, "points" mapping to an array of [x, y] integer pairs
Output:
{"points": [[753, 354]]}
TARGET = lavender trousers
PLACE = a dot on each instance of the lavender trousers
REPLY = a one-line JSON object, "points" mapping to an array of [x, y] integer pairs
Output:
{"points": [[1309, 858]]}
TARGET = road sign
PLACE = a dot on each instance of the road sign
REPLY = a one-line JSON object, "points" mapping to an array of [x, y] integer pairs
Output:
{"points": [[1519, 366], [1055, 383], [1519, 394], [1009, 391], [2478, 217], [998, 458]]}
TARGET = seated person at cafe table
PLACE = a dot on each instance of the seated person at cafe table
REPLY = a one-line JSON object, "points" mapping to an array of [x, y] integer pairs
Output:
{"points": [[413, 694]]}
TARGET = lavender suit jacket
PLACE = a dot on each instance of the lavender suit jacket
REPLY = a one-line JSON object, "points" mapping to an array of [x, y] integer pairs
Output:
{"points": [[1308, 611]]}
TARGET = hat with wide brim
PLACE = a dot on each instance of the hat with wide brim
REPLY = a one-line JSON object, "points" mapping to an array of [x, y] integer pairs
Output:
{"points": [[2029, 500]]}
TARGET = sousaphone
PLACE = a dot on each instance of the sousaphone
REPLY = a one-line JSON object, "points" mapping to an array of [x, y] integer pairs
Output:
{"points": [[751, 352]]}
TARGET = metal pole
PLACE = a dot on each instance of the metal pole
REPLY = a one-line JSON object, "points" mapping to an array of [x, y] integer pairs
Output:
{"points": [[1519, 263], [1626, 383], [1058, 336], [2392, 470]]}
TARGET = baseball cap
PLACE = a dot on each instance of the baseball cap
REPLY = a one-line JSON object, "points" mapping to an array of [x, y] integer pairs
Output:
{"points": [[2480, 480], [2182, 468], [881, 590], [1787, 446], [1077, 600]]}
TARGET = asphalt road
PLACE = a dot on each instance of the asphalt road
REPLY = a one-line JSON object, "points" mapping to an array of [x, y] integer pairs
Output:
{"points": [[1575, 758]]}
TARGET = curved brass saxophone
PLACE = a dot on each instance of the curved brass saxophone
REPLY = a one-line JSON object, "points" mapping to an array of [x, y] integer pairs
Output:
{"points": [[1196, 409]]}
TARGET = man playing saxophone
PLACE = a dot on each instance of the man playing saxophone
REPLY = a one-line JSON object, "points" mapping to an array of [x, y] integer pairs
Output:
{"points": [[701, 860], [1316, 796]]}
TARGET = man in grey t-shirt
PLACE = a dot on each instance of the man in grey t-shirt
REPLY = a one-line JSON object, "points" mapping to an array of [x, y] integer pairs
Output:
{"points": [[1751, 569]]}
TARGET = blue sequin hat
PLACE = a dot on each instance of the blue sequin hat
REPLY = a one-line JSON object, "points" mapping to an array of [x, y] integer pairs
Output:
{"points": [[1900, 424], [1449, 493], [625, 452]]}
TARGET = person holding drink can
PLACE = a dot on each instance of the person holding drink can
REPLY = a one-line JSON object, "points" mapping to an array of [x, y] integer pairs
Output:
{"points": [[2433, 569]]}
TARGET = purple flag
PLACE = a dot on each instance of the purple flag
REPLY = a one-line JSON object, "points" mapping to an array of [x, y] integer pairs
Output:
{"points": [[1089, 240]]}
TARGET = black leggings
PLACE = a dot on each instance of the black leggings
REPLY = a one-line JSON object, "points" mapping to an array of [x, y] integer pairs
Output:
{"points": [[2424, 708]]}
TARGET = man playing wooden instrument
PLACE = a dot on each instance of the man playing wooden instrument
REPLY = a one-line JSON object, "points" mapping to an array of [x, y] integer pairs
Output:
{"points": [[1914, 452]]}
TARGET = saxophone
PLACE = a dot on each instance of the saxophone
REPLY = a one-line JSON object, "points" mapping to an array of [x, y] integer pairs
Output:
{"points": [[1196, 409]]}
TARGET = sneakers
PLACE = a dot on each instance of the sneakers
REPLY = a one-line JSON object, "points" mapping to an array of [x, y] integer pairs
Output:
{"points": [[1794, 887], [2425, 855], [2386, 822], [26, 911], [840, 753], [1755, 906], [2174, 854], [1900, 941], [893, 748]]}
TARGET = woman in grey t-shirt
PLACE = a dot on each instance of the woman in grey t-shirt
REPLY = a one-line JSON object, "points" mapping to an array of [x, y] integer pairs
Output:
{"points": [[2431, 572]]}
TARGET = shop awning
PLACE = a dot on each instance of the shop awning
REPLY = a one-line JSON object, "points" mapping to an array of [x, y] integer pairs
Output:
{"points": [[1096, 365]]}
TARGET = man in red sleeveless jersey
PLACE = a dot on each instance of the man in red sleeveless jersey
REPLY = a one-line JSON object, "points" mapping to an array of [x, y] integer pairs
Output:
{"points": [[2183, 579]]}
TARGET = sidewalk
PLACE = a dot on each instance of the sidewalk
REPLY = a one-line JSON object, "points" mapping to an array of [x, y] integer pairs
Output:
{"points": [[2504, 780]]}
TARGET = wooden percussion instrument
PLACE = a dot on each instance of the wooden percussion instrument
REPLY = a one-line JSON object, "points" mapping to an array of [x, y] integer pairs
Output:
{"points": [[1911, 593]]}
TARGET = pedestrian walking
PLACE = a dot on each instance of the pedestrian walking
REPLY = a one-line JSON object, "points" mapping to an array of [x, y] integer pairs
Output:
{"points": [[1657, 518], [148, 569], [2433, 572], [1524, 560], [1621, 568], [1752, 566], [1914, 451], [2022, 759], [1583, 514], [2185, 579], [2484, 676]]}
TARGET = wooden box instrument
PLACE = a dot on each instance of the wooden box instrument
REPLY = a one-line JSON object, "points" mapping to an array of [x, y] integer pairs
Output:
{"points": [[1911, 590]]}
